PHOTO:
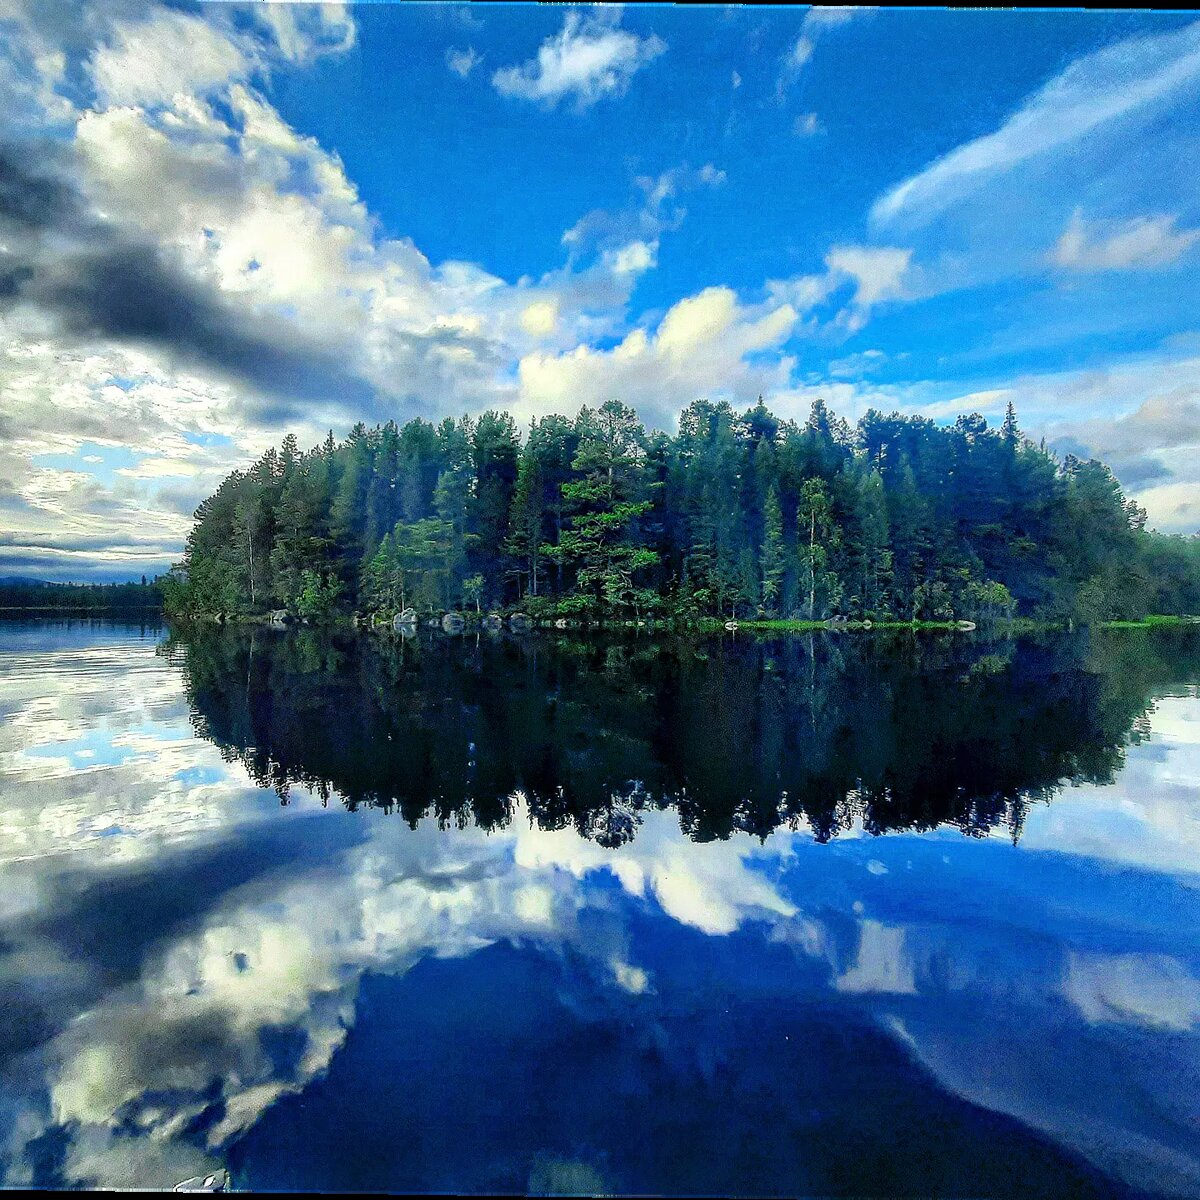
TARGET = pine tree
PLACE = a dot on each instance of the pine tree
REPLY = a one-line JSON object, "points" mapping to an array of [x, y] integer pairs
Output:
{"points": [[524, 542], [772, 555]]}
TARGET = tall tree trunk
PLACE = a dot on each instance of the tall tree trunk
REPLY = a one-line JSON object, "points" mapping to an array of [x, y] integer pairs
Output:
{"points": [[250, 560], [812, 565]]}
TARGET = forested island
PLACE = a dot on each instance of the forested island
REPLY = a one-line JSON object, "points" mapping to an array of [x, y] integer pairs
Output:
{"points": [[896, 519]]}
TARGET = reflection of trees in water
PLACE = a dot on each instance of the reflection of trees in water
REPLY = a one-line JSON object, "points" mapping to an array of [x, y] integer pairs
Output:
{"points": [[894, 732]]}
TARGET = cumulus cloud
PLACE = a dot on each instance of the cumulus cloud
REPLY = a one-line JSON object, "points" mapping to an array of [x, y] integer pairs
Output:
{"points": [[186, 240], [1134, 244], [180, 262], [151, 61], [99, 283], [702, 339], [589, 59], [305, 32]]}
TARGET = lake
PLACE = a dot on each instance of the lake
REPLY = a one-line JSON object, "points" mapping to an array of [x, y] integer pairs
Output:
{"points": [[832, 914]]}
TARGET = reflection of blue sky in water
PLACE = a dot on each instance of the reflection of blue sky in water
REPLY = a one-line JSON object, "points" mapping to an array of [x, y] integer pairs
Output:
{"points": [[180, 957]]}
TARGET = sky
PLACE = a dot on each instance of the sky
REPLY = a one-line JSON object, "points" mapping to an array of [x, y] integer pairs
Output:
{"points": [[224, 223]]}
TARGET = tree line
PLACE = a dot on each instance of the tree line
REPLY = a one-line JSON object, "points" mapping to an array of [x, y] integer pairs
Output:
{"points": [[80, 597], [751, 516]]}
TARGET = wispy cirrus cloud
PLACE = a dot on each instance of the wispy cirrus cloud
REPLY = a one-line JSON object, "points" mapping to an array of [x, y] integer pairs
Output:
{"points": [[807, 125], [1139, 242], [816, 22], [1093, 91]]}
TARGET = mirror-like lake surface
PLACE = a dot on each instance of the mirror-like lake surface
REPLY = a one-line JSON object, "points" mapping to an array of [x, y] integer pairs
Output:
{"points": [[825, 915]]}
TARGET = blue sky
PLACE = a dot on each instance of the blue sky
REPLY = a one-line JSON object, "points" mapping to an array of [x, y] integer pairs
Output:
{"points": [[398, 210]]}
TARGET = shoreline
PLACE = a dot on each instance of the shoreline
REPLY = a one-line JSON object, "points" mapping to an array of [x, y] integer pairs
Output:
{"points": [[710, 625], [89, 609]]}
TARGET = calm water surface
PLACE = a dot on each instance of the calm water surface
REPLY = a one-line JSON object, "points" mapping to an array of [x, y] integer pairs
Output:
{"points": [[832, 915]]}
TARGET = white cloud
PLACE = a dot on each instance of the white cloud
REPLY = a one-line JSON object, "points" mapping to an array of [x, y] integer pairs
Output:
{"points": [[463, 62], [807, 125], [990, 400], [540, 318], [304, 32], [879, 274], [1092, 92], [588, 60], [817, 21], [864, 362], [833, 15], [632, 258], [800, 53], [701, 347], [167, 54], [1137, 243], [185, 152], [878, 271]]}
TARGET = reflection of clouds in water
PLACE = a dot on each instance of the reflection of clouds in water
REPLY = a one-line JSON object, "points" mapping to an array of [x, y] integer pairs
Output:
{"points": [[882, 964], [118, 783], [98, 756], [287, 954], [283, 952], [1150, 816], [1141, 989], [705, 885], [249, 998]]}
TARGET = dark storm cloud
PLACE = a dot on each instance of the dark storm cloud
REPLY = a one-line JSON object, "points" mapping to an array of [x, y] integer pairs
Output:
{"points": [[99, 283], [1133, 444], [1141, 471], [33, 198], [1134, 470], [67, 542]]}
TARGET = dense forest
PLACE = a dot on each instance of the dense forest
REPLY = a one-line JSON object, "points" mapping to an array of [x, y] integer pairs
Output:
{"points": [[745, 516], [79, 597]]}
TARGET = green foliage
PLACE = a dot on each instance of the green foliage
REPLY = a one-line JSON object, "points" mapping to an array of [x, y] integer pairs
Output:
{"points": [[318, 597], [747, 516]]}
